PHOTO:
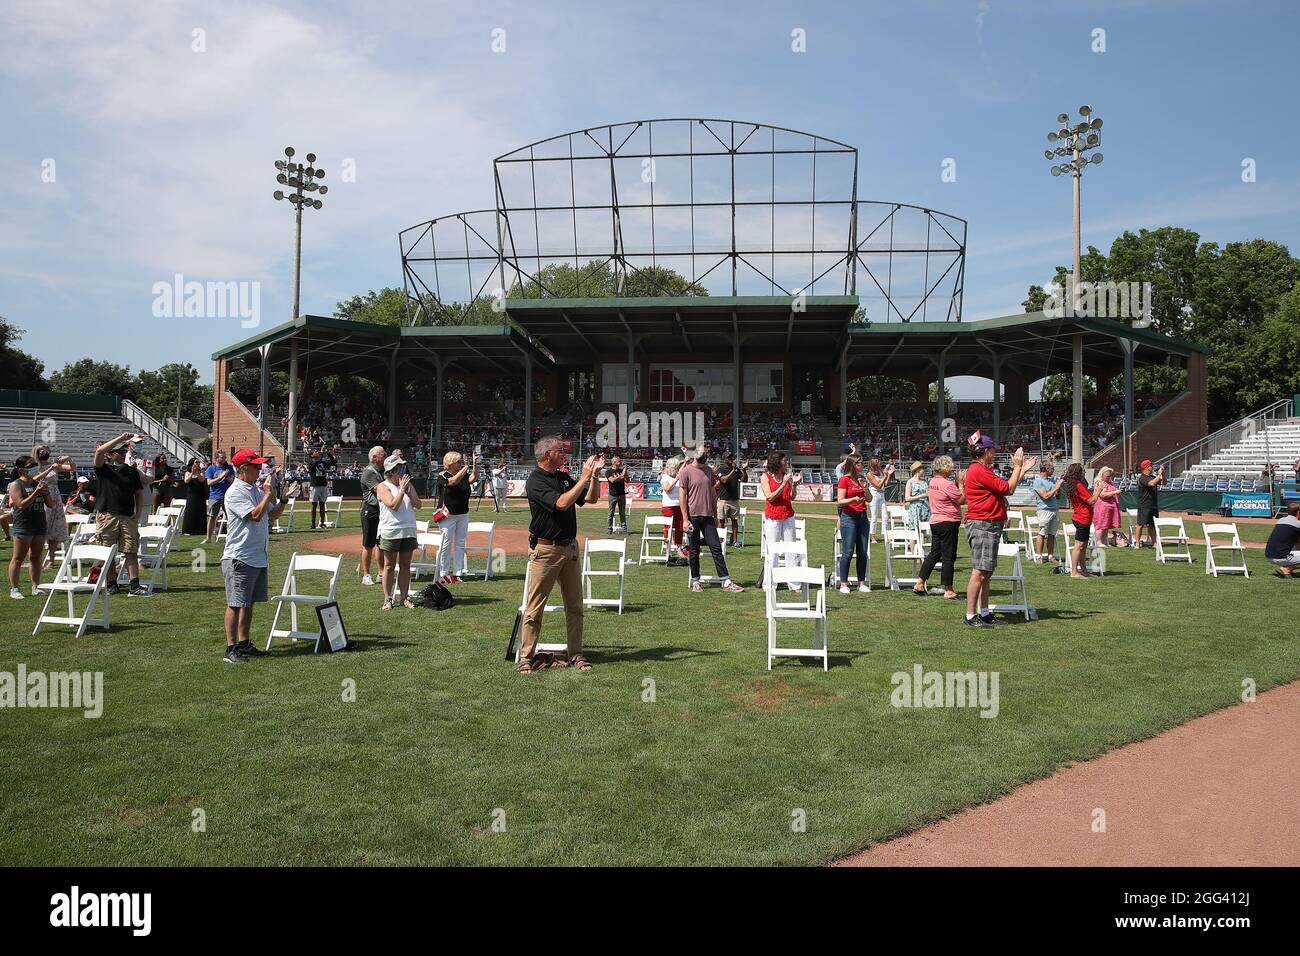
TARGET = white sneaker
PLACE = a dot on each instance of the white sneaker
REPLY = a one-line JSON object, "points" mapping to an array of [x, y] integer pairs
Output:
{"points": [[36, 591], [864, 589], [844, 589], [16, 594], [368, 581]]}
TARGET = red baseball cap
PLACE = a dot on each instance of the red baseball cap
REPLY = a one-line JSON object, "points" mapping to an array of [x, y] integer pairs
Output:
{"points": [[246, 456], [1146, 463]]}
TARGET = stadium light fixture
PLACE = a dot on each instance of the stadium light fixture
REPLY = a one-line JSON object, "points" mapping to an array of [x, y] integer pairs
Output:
{"points": [[302, 179]]}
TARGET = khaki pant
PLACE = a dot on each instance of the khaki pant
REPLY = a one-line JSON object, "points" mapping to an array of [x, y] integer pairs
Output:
{"points": [[547, 564]]}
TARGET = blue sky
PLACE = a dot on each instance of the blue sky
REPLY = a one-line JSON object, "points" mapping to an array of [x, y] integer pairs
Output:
{"points": [[163, 156]]}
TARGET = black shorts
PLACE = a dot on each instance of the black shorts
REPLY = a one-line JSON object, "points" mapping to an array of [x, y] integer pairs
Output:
{"points": [[1082, 532], [1147, 516], [369, 529]]}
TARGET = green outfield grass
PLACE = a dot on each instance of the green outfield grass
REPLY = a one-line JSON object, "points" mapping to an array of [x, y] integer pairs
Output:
{"points": [[444, 738]]}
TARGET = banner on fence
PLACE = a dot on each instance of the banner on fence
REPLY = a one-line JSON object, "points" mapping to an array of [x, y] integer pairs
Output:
{"points": [[1249, 505]]}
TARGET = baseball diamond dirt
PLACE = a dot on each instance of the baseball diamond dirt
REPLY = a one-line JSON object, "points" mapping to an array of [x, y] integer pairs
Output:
{"points": [[1221, 790]]}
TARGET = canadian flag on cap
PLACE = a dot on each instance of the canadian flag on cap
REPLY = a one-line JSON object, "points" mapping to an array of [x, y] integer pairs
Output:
{"points": [[974, 439]]}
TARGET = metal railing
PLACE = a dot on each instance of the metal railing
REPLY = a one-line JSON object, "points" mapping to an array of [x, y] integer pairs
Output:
{"points": [[172, 443], [1209, 446]]}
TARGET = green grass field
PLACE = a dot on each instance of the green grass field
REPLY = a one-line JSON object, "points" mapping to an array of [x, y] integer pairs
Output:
{"points": [[444, 738]]}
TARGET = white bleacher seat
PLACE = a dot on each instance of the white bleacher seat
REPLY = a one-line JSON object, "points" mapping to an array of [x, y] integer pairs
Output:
{"points": [[811, 583], [1223, 550], [590, 572], [1171, 541], [487, 528], [70, 582], [292, 597], [1018, 600], [155, 544]]}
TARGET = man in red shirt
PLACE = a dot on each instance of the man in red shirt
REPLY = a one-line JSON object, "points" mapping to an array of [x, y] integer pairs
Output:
{"points": [[986, 516]]}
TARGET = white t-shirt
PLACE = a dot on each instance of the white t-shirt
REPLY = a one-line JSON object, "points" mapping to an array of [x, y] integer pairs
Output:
{"points": [[670, 498], [246, 539], [396, 522]]}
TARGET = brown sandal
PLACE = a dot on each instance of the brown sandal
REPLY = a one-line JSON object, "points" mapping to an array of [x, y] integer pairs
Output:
{"points": [[580, 662], [524, 667]]}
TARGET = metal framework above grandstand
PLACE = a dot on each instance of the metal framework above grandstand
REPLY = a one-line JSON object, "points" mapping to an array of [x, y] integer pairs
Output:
{"points": [[736, 209]]}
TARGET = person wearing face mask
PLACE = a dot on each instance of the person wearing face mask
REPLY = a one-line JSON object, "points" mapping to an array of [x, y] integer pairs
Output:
{"points": [[56, 521], [697, 485]]}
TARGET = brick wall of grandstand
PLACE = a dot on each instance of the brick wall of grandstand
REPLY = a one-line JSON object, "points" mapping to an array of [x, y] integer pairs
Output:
{"points": [[74, 433]]}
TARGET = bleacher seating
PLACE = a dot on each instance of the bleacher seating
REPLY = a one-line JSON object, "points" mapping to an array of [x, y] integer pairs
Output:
{"points": [[75, 433], [1277, 446]]}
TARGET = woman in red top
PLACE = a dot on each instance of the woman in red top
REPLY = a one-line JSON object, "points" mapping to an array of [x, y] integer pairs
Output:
{"points": [[852, 497], [1081, 500], [778, 485]]}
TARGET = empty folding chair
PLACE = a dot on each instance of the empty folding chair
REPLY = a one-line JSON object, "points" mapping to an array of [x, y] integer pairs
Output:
{"points": [[904, 544], [155, 543], [481, 546], [284, 523], [334, 512], [1031, 536], [428, 541], [67, 581], [294, 598], [616, 546], [1014, 530], [1223, 550], [1171, 541], [837, 552], [656, 545], [811, 583], [1018, 600], [895, 516], [542, 647], [1132, 514], [740, 527], [784, 554]]}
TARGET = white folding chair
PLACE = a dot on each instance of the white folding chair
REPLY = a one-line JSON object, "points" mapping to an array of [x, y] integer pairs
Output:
{"points": [[284, 523], [1064, 542], [895, 516], [1018, 600], [811, 583], [485, 528], [740, 526], [656, 540], [70, 584], [334, 502], [1031, 536], [1228, 543], [837, 553], [428, 537], [904, 544], [1132, 514], [1015, 529], [617, 546], [155, 544], [784, 554], [542, 647], [293, 598], [1172, 543]]}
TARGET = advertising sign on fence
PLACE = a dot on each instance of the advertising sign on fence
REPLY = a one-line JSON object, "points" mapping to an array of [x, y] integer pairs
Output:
{"points": [[1249, 505]]}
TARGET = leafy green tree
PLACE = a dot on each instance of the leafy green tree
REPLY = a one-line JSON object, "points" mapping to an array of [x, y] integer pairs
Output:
{"points": [[385, 307], [1060, 387], [1036, 299], [18, 369], [157, 391], [881, 388], [93, 377]]}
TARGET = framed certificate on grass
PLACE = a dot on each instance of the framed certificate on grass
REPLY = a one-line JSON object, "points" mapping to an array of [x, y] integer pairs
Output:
{"points": [[331, 626]]}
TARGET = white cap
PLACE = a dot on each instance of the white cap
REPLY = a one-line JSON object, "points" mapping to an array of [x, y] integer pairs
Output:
{"points": [[391, 462]]}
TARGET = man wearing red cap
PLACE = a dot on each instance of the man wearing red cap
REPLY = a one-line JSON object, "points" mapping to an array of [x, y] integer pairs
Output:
{"points": [[1148, 506], [986, 517], [249, 513]]}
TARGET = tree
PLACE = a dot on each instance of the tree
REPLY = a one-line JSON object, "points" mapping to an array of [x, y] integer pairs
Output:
{"points": [[1060, 388], [93, 377], [933, 393], [385, 307], [596, 279], [156, 393], [1036, 299], [881, 388], [18, 369]]}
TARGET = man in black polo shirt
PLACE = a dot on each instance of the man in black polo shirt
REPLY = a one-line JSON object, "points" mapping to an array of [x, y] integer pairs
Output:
{"points": [[730, 475], [115, 520], [1148, 504], [370, 477], [553, 547], [320, 466], [616, 475]]}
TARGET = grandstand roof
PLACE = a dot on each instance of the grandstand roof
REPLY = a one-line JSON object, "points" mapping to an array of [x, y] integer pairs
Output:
{"points": [[1031, 343], [577, 329], [346, 346]]}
